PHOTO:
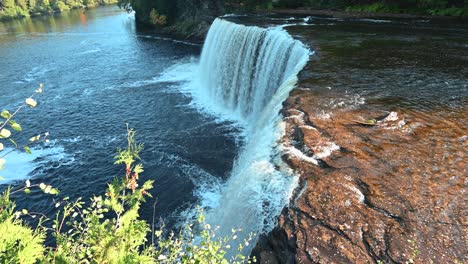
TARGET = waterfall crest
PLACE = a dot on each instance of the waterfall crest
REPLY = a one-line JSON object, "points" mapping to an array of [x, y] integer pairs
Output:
{"points": [[249, 71], [243, 67]]}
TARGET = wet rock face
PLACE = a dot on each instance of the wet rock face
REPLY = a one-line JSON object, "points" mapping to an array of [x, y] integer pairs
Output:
{"points": [[374, 186]]}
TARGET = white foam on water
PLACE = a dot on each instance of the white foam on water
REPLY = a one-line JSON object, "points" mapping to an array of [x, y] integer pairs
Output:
{"points": [[34, 74], [169, 39], [244, 75], [89, 52], [375, 20], [20, 165], [299, 154], [183, 71]]}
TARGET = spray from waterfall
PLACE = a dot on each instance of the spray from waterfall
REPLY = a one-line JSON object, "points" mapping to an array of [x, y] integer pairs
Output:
{"points": [[247, 72]]}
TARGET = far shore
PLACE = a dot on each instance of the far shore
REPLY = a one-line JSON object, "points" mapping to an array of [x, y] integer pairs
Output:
{"points": [[355, 14]]}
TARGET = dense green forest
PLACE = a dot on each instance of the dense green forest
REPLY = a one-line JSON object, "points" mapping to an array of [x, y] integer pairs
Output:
{"points": [[24, 8], [168, 11]]}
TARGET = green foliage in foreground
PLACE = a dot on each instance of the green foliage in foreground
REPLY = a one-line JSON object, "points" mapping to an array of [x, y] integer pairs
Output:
{"points": [[23, 8], [106, 229]]}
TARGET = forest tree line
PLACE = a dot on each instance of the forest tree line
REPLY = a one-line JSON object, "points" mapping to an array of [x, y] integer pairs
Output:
{"points": [[169, 11], [24, 8]]}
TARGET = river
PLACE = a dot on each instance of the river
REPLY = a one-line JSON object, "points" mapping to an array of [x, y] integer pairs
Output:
{"points": [[210, 123], [100, 73]]}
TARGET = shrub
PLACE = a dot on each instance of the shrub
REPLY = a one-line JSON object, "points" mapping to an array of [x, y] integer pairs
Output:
{"points": [[157, 19], [107, 229]]}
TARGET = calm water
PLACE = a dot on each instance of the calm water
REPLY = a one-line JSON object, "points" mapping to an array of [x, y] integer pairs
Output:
{"points": [[100, 72]]}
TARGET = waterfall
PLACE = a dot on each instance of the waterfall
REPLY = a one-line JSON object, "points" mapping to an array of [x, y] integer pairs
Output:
{"points": [[248, 71]]}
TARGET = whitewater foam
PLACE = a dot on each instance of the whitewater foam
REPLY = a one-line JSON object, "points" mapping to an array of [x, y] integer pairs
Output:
{"points": [[20, 165], [244, 75]]}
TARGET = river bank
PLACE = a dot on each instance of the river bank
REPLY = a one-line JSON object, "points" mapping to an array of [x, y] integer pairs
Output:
{"points": [[377, 131], [21, 11], [357, 14], [196, 28]]}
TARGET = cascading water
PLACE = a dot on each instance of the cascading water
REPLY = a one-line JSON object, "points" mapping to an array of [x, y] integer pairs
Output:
{"points": [[247, 72]]}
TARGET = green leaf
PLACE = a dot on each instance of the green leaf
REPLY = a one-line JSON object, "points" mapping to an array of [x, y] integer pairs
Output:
{"points": [[53, 191], [47, 189], [13, 142], [27, 149], [24, 211], [27, 191], [15, 126], [5, 114]]}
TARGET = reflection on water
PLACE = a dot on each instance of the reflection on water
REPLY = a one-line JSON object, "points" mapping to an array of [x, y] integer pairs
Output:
{"points": [[58, 22]]}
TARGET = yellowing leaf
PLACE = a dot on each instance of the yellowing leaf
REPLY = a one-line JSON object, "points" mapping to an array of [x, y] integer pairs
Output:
{"points": [[47, 189], [16, 126], [53, 191], [2, 162], [5, 133], [5, 114], [31, 102]]}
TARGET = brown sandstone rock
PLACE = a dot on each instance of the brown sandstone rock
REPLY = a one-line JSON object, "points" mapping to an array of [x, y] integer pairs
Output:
{"points": [[394, 192]]}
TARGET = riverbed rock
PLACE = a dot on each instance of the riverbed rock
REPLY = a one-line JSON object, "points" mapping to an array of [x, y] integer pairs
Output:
{"points": [[371, 194]]}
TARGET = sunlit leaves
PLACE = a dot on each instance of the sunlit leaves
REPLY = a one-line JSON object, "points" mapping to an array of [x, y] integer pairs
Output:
{"points": [[1, 146], [5, 133], [13, 142], [39, 90], [109, 229], [5, 114], [15, 126], [31, 102], [27, 149], [53, 191], [48, 189], [35, 138]]}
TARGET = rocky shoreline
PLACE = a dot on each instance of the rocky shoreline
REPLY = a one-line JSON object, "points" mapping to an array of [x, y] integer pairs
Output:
{"points": [[377, 185], [354, 14], [378, 197], [381, 181]]}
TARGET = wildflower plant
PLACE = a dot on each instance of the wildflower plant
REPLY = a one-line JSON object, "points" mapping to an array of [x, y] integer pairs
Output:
{"points": [[105, 229]]}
